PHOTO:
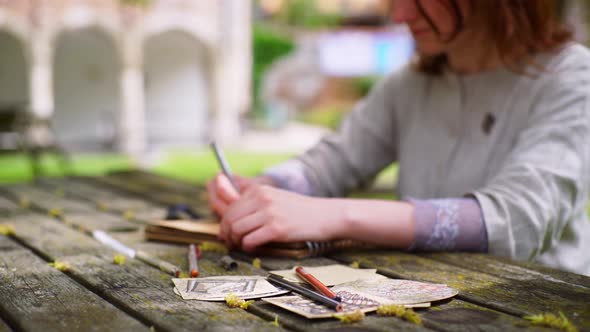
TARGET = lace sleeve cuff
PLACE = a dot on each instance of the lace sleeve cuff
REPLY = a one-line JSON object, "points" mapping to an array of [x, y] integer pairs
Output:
{"points": [[454, 224]]}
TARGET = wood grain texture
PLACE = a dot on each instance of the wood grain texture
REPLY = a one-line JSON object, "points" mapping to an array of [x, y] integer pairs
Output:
{"points": [[143, 291], [449, 315], [516, 297], [35, 297]]}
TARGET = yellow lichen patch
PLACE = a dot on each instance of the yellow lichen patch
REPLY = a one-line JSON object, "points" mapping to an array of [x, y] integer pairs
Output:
{"points": [[355, 265], [62, 266], [550, 320], [256, 263], [183, 275], [399, 311], [213, 247], [55, 212], [119, 259], [128, 215], [7, 230], [460, 277], [234, 302], [102, 206], [350, 317], [60, 192], [276, 321], [24, 202]]}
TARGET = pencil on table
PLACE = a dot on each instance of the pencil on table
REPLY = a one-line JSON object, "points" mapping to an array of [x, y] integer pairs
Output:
{"points": [[193, 261], [308, 293], [315, 283]]}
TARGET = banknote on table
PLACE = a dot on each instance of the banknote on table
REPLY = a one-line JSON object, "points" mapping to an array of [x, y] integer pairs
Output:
{"points": [[396, 291], [217, 288], [331, 275]]}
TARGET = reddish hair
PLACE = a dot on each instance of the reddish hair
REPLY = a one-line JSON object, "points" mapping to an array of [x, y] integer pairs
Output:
{"points": [[518, 29]]}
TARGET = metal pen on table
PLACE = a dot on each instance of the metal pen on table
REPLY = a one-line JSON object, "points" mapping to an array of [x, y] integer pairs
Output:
{"points": [[224, 165], [308, 293]]}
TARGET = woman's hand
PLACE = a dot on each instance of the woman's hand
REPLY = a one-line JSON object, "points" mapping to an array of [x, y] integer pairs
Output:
{"points": [[221, 193], [264, 214]]}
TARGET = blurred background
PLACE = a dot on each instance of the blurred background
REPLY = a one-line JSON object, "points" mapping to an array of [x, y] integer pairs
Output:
{"points": [[89, 86]]}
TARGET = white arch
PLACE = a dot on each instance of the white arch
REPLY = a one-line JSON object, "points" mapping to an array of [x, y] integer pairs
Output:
{"points": [[14, 77], [87, 65], [178, 90], [85, 17], [202, 29]]}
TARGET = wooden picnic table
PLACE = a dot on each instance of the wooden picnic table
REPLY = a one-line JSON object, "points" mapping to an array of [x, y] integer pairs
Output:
{"points": [[96, 294]]}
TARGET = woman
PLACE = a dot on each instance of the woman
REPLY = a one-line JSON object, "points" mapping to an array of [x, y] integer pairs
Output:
{"points": [[491, 131]]}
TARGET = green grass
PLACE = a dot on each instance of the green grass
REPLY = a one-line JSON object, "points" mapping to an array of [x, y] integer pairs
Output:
{"points": [[17, 168], [201, 166]]}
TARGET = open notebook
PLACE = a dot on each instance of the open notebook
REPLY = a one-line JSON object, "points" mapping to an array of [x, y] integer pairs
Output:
{"points": [[188, 231]]}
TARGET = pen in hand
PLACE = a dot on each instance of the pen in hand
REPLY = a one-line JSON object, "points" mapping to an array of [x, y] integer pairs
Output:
{"points": [[224, 165], [315, 283]]}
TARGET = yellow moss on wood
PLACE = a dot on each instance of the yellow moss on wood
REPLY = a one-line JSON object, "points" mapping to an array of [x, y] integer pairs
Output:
{"points": [[128, 215], [24, 202], [551, 320], [62, 266], [119, 259], [350, 317], [355, 265], [257, 263], [234, 302], [276, 321], [213, 247], [55, 212], [399, 311], [6, 229]]}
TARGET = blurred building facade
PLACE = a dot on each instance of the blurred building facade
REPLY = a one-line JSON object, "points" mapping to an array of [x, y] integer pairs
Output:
{"points": [[172, 72]]}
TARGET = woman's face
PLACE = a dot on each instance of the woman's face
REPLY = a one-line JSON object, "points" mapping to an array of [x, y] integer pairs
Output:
{"points": [[431, 37]]}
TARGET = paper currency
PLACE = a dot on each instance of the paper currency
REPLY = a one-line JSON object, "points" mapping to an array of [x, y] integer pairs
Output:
{"points": [[331, 275], [396, 291], [217, 288]]}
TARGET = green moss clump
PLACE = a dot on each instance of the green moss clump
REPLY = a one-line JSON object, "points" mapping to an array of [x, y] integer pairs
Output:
{"points": [[351, 317], [101, 206], [213, 247], [119, 259], [55, 212], [276, 321], [399, 311], [234, 302], [62, 266], [128, 215], [257, 263], [7, 230], [24, 202], [183, 275], [551, 320], [355, 265]]}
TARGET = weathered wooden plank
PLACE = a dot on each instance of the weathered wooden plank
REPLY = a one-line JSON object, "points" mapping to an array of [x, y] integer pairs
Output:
{"points": [[510, 269], [4, 327], [28, 195], [161, 182], [35, 296], [70, 209], [111, 201], [516, 297], [449, 315], [142, 291], [165, 197]]}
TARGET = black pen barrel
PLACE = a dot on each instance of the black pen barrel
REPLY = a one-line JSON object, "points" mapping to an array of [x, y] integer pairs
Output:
{"points": [[312, 295]]}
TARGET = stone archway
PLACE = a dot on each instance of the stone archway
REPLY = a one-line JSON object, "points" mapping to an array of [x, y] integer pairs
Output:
{"points": [[14, 73], [86, 89], [177, 83]]}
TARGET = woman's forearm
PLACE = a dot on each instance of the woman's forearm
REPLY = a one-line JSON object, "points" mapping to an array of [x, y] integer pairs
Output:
{"points": [[388, 223]]}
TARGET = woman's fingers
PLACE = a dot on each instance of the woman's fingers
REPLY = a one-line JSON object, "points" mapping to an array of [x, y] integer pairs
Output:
{"points": [[246, 225], [225, 189], [258, 237]]}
